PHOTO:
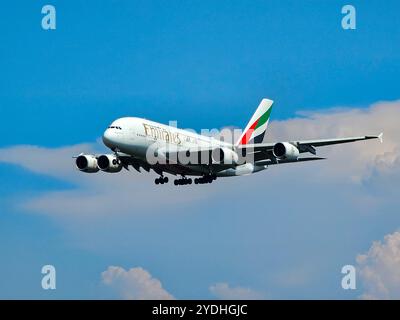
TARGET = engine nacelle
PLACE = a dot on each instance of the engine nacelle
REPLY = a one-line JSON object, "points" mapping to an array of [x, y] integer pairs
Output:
{"points": [[285, 150], [87, 163], [109, 163], [224, 156]]}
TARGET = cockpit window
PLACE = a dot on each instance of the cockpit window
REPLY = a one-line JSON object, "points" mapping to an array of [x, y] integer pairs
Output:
{"points": [[114, 127]]}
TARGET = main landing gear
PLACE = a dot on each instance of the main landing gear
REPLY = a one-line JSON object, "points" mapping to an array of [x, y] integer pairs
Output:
{"points": [[205, 179], [183, 181], [161, 180]]}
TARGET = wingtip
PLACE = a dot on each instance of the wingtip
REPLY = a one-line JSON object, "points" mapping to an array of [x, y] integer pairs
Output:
{"points": [[380, 137]]}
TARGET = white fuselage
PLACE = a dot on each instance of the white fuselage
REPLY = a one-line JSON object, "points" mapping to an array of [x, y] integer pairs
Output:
{"points": [[134, 136]]}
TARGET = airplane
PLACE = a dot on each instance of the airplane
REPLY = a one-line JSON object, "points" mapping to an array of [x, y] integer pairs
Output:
{"points": [[148, 145]]}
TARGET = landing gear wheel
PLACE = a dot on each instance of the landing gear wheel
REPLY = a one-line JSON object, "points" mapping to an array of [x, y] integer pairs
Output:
{"points": [[156, 181], [166, 179], [190, 181], [196, 181]]}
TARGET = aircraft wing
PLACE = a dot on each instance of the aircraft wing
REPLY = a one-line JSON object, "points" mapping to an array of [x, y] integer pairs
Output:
{"points": [[327, 142], [137, 164], [263, 151], [262, 155]]}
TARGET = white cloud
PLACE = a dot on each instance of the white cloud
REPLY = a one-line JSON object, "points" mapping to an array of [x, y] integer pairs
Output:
{"points": [[352, 161], [223, 291], [138, 284], [101, 194], [379, 269], [55, 162], [134, 284], [385, 171], [95, 195]]}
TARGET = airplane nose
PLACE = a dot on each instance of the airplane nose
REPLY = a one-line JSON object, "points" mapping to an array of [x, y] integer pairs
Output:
{"points": [[107, 138]]}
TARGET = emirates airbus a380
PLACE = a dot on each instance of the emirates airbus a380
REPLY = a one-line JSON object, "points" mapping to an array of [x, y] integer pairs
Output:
{"points": [[141, 143]]}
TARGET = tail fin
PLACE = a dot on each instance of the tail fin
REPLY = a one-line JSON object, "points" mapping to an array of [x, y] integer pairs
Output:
{"points": [[258, 123]]}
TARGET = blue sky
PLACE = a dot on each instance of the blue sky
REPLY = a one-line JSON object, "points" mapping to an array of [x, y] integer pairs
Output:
{"points": [[206, 64], [179, 61]]}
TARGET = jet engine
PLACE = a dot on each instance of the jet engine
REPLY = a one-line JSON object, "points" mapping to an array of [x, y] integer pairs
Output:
{"points": [[87, 163], [285, 150], [224, 156], [109, 163]]}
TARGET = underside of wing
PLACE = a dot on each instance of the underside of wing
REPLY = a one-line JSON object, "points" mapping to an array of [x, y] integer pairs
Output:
{"points": [[270, 162], [172, 164]]}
